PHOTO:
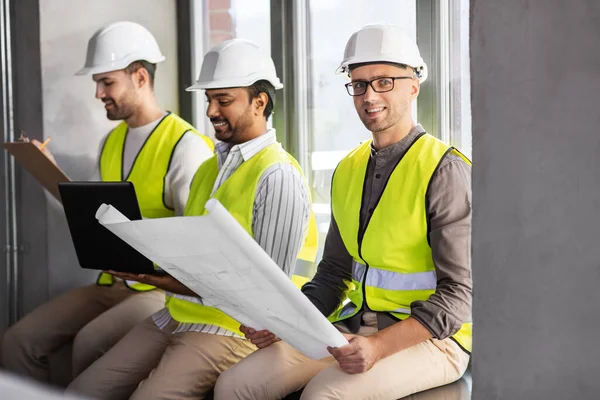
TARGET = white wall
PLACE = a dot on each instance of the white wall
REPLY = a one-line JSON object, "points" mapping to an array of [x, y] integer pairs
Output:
{"points": [[73, 117]]}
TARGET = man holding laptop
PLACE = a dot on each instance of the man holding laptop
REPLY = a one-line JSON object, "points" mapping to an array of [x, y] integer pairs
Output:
{"points": [[180, 351], [155, 150]]}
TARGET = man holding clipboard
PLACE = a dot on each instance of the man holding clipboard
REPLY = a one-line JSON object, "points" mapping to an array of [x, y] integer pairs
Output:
{"points": [[156, 150]]}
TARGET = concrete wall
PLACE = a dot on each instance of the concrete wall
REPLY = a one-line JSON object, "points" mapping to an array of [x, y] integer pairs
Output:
{"points": [[535, 69], [72, 116]]}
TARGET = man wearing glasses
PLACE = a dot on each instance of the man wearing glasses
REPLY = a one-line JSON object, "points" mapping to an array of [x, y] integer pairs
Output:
{"points": [[396, 271]]}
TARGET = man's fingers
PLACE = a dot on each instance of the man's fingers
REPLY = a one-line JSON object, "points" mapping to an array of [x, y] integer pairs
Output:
{"points": [[118, 275], [253, 334], [262, 336], [124, 275], [149, 279], [343, 351], [350, 363], [353, 369], [263, 340], [259, 334], [262, 345], [143, 278], [352, 358]]}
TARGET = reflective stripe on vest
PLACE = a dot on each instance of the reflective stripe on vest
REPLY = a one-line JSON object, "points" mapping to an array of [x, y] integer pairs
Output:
{"points": [[148, 171], [237, 195], [393, 264], [391, 280]]}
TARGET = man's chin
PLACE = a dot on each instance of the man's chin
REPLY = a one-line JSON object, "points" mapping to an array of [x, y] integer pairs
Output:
{"points": [[371, 126], [116, 117], [224, 136], [375, 126]]}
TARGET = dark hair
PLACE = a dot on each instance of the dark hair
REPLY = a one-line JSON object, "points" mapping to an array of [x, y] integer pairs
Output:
{"points": [[263, 86], [134, 66]]}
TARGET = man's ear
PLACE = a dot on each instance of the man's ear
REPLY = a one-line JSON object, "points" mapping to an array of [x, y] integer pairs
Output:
{"points": [[141, 77], [416, 88], [260, 102]]}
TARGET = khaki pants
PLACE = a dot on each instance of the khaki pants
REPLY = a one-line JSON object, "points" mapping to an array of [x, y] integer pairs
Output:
{"points": [[278, 370], [150, 363], [93, 317]]}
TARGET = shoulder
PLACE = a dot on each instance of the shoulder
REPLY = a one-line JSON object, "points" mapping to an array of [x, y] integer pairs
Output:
{"points": [[453, 164], [282, 172], [192, 142], [451, 181]]}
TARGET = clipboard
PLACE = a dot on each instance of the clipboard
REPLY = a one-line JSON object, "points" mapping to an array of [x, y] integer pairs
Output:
{"points": [[37, 164]]}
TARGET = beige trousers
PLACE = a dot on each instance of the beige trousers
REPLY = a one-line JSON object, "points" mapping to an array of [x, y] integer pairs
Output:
{"points": [[93, 317], [150, 363], [278, 370]]}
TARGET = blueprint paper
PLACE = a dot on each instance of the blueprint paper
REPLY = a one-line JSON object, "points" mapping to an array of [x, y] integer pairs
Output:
{"points": [[217, 259]]}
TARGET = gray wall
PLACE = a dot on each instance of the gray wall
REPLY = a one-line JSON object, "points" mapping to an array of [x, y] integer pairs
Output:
{"points": [[535, 69], [72, 116], [30, 202]]}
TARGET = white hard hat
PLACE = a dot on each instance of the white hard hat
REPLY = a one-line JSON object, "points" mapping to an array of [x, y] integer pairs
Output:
{"points": [[117, 45], [383, 42], [235, 63]]}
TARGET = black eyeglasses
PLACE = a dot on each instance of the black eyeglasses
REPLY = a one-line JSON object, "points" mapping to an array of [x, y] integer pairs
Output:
{"points": [[379, 85]]}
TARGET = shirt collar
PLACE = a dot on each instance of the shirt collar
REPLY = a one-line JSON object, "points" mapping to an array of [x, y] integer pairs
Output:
{"points": [[247, 149], [401, 145]]}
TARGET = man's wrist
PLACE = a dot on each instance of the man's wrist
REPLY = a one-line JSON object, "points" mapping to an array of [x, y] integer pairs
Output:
{"points": [[378, 344]]}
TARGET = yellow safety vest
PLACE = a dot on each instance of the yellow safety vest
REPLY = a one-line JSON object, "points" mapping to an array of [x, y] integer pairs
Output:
{"points": [[148, 171], [392, 260], [237, 195]]}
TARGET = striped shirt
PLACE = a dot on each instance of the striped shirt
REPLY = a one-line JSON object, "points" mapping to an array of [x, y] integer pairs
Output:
{"points": [[279, 219]]}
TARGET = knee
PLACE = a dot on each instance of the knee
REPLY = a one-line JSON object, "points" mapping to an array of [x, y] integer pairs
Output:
{"points": [[84, 341], [87, 347], [315, 391], [326, 386], [18, 346], [15, 340], [224, 386], [76, 387], [232, 385]]}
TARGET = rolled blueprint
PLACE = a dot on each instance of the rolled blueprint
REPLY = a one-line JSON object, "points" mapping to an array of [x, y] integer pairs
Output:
{"points": [[217, 259]]}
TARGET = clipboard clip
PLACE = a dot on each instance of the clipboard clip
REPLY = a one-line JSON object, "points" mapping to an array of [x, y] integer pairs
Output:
{"points": [[23, 138]]}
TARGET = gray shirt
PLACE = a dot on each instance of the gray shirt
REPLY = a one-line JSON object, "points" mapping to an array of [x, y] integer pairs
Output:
{"points": [[449, 213]]}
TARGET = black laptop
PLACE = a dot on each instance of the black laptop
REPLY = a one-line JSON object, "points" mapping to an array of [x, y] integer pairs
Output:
{"points": [[96, 246]]}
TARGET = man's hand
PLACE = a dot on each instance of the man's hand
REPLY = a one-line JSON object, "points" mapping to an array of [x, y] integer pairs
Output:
{"points": [[359, 355], [44, 150], [164, 282], [260, 339]]}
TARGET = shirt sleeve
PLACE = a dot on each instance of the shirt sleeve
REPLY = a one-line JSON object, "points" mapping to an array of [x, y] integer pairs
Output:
{"points": [[281, 212], [190, 152], [328, 287], [96, 176], [449, 213]]}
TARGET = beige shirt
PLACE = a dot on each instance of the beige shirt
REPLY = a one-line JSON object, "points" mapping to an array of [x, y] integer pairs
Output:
{"points": [[449, 214]]}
